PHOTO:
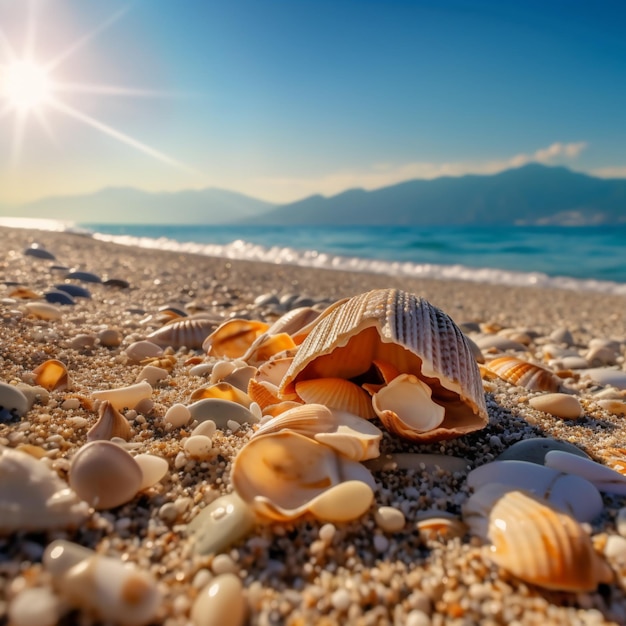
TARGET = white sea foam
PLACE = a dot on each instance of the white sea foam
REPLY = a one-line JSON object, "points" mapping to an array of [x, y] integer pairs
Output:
{"points": [[247, 251]]}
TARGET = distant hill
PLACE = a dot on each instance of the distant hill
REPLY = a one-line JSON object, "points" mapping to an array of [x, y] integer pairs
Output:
{"points": [[128, 205], [533, 194]]}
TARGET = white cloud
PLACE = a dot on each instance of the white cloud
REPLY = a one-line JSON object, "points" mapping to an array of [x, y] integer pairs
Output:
{"points": [[383, 174], [610, 172]]}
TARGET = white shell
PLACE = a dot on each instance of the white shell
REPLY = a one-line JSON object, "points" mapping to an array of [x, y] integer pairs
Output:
{"points": [[43, 310], [140, 350], [177, 415], [105, 475], [573, 494], [189, 332], [33, 497], [152, 374], [606, 376], [125, 397], [153, 469], [604, 478], [392, 326], [12, 400], [220, 603], [558, 404]]}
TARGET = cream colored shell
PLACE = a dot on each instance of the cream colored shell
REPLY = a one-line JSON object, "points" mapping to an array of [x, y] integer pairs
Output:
{"points": [[399, 328]]}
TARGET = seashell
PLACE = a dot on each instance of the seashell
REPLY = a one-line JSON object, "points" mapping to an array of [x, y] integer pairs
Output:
{"points": [[266, 346], [139, 351], [274, 410], [543, 546], [558, 404], [556, 351], [83, 341], [240, 377], [86, 277], [389, 519], [220, 603], [408, 332], [264, 393], [33, 497], [224, 391], [43, 310], [166, 362], [614, 406], [523, 374], [104, 475], [421, 462], [61, 555], [223, 522], [125, 397], [34, 606], [221, 412], [336, 393], [153, 469], [476, 351], [273, 371], [605, 376], [13, 402], [233, 338], [562, 335], [534, 450], [405, 407], [177, 415], [110, 337], [51, 375], [568, 363], [152, 375], [120, 283], [76, 291], [24, 293], [347, 434], [601, 355], [221, 369], [284, 475], [189, 332], [37, 251], [604, 478], [114, 590], [111, 423], [573, 494], [294, 321], [497, 343], [440, 527]]}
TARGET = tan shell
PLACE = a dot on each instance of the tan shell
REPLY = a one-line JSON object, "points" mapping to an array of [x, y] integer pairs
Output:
{"points": [[51, 375], [408, 333], [524, 374], [295, 323], [233, 338], [189, 332], [336, 393], [543, 546], [285, 475], [111, 423], [223, 391]]}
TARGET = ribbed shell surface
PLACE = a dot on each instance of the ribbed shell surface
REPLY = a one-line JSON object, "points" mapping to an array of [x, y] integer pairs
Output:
{"points": [[188, 332], [406, 320]]}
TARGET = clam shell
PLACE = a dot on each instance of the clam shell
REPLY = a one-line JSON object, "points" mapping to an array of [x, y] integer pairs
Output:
{"points": [[189, 332], [111, 423], [543, 546], [51, 375], [336, 393], [266, 346], [409, 333], [224, 391], [233, 337], [558, 404], [524, 374], [305, 419], [293, 322], [284, 475]]}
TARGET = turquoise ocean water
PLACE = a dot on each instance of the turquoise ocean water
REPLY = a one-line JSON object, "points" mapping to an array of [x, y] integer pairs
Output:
{"points": [[582, 258]]}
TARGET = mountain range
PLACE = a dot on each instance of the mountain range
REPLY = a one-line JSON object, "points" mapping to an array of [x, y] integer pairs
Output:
{"points": [[532, 194]]}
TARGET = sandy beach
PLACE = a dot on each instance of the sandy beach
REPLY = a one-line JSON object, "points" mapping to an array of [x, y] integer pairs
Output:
{"points": [[304, 571]]}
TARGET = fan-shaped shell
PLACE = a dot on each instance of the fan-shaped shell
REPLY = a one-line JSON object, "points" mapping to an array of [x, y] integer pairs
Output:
{"points": [[336, 393], [524, 374], [285, 475], [411, 335], [543, 546], [233, 337], [189, 332]]}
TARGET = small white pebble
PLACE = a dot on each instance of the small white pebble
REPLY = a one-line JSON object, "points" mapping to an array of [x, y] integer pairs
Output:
{"points": [[177, 415], [389, 519], [233, 426], [417, 618], [223, 564], [327, 532], [615, 548], [70, 403], [341, 600], [180, 461], [201, 579], [198, 447], [208, 429], [36, 606]]}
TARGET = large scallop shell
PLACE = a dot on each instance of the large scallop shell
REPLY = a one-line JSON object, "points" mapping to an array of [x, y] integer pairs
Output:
{"points": [[285, 475], [189, 332], [543, 546], [524, 374], [408, 333]]}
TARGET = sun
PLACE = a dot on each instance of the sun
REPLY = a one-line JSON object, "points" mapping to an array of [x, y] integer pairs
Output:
{"points": [[25, 85]]}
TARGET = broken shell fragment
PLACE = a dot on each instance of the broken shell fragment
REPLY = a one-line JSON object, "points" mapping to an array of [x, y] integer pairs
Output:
{"points": [[285, 475], [33, 497], [543, 546], [266, 346], [405, 407], [141, 350], [125, 397], [223, 391], [410, 334], [233, 338], [152, 374], [524, 374], [104, 475], [153, 469], [51, 375], [111, 423]]}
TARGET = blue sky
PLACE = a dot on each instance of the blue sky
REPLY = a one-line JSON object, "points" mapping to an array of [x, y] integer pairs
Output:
{"points": [[281, 99]]}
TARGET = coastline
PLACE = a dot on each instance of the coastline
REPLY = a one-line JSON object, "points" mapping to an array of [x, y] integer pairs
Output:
{"points": [[289, 576]]}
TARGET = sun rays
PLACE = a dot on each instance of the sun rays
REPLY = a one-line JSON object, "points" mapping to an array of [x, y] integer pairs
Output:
{"points": [[29, 90]]}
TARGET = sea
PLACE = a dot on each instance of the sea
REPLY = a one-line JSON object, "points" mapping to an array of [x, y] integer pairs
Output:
{"points": [[590, 258]]}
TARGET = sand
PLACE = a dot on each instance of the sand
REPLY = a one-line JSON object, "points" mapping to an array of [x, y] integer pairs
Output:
{"points": [[301, 572]]}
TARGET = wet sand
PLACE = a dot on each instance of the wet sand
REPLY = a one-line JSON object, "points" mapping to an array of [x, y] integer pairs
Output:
{"points": [[301, 572]]}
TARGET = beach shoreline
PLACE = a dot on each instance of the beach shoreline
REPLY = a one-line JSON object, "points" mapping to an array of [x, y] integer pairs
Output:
{"points": [[291, 575]]}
